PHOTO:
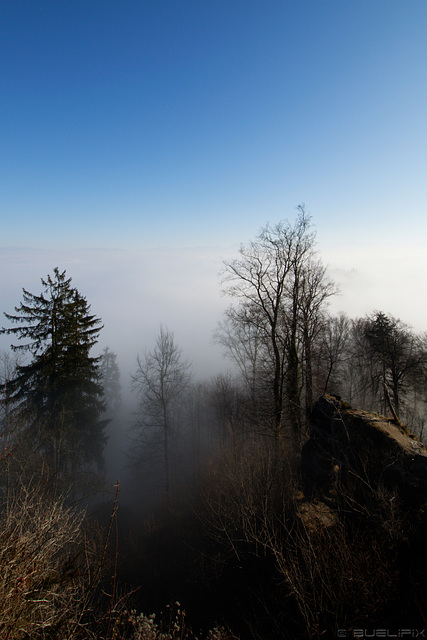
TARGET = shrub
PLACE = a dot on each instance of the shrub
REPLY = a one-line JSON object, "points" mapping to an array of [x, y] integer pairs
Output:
{"points": [[170, 627], [43, 572]]}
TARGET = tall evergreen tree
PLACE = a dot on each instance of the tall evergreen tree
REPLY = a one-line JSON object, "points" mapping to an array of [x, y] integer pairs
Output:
{"points": [[57, 395], [397, 358], [110, 377]]}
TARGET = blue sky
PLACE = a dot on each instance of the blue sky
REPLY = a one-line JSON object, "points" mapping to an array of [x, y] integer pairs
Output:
{"points": [[135, 128]]}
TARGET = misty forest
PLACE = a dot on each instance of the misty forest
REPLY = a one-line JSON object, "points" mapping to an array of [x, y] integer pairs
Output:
{"points": [[283, 498]]}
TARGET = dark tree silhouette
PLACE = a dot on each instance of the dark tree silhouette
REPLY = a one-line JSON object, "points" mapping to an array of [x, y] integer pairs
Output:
{"points": [[281, 288], [57, 396], [160, 380], [110, 377], [397, 357]]}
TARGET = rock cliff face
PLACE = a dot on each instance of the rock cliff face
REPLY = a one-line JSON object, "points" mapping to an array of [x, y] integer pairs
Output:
{"points": [[360, 453], [364, 480]]}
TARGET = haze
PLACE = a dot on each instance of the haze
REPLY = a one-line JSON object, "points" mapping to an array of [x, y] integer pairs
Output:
{"points": [[143, 142]]}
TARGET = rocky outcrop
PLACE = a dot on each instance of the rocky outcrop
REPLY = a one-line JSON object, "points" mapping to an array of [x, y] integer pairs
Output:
{"points": [[364, 479], [359, 453]]}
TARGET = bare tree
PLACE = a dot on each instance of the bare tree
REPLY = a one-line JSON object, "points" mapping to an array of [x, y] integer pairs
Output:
{"points": [[281, 288], [160, 380], [335, 354], [246, 341], [228, 401], [315, 289]]}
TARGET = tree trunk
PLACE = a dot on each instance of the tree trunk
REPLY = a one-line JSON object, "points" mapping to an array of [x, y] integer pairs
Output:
{"points": [[293, 392], [166, 462], [277, 388], [308, 375]]}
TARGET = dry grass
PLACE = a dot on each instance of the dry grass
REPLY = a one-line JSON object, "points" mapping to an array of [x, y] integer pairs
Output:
{"points": [[42, 565], [51, 577], [171, 626], [337, 565]]}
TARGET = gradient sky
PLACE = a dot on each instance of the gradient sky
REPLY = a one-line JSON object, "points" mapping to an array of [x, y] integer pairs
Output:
{"points": [[142, 141]]}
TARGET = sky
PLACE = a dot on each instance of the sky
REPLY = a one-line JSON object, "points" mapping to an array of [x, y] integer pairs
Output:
{"points": [[143, 141]]}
